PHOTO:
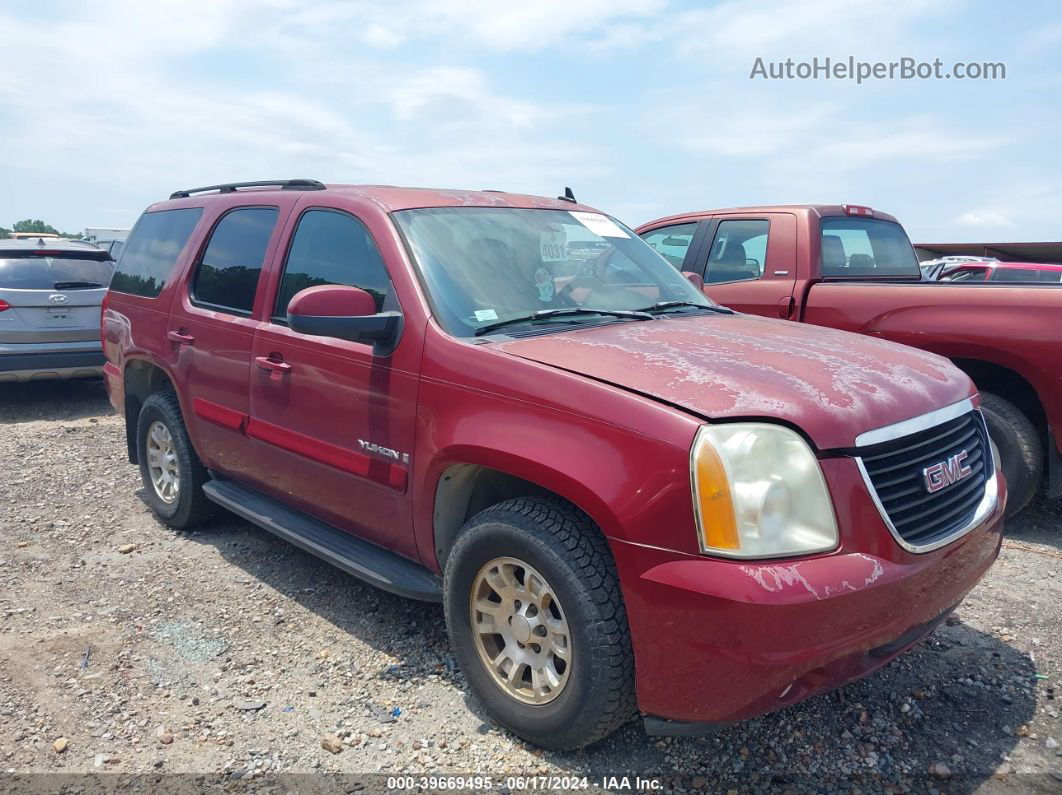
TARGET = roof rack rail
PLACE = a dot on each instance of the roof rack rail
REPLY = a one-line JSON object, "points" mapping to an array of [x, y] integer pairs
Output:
{"points": [[231, 187]]}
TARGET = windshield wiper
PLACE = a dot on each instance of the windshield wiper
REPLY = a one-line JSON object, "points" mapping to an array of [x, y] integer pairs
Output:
{"points": [[77, 285], [546, 314], [661, 306]]}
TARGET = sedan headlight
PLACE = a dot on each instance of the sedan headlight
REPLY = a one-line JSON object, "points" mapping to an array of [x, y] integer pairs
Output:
{"points": [[758, 492]]}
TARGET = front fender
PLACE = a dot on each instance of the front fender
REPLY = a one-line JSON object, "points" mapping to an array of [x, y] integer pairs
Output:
{"points": [[635, 488]]}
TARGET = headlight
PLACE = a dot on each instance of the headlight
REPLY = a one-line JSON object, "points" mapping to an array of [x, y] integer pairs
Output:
{"points": [[758, 492]]}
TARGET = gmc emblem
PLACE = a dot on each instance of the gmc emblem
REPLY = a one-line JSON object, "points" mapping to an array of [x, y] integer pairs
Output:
{"points": [[944, 473]]}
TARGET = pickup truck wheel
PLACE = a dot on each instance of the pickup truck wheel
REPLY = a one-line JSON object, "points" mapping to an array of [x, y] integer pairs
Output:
{"points": [[537, 622], [1020, 450], [172, 473]]}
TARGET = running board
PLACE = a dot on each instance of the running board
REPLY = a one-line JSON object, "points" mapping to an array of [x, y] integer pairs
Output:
{"points": [[373, 564]]}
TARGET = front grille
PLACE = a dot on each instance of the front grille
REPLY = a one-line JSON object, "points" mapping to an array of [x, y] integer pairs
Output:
{"points": [[896, 471]]}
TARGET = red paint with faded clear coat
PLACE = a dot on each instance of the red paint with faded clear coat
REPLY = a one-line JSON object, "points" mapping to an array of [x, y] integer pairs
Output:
{"points": [[833, 386], [604, 417]]}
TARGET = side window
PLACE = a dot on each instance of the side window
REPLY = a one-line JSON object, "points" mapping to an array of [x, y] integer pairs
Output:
{"points": [[1016, 275], [227, 274], [331, 247], [738, 251], [961, 274], [153, 248], [671, 242]]}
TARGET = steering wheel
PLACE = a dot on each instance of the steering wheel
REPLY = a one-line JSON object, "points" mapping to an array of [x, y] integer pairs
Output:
{"points": [[591, 283], [595, 286]]}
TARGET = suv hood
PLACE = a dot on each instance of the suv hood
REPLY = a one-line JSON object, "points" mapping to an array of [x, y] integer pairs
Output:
{"points": [[832, 384]]}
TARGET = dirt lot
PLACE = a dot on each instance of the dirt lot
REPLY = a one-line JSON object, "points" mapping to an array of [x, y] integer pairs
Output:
{"points": [[229, 652]]}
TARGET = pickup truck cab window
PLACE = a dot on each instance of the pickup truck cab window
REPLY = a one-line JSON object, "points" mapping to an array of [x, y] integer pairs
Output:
{"points": [[331, 247], [672, 242], [226, 276], [738, 251], [855, 247], [483, 265]]}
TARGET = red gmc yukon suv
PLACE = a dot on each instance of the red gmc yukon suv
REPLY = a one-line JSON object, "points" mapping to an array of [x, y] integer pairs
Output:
{"points": [[626, 496]]}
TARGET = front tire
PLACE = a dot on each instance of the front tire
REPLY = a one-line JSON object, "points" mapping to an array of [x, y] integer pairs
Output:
{"points": [[559, 670], [172, 472], [1020, 450]]}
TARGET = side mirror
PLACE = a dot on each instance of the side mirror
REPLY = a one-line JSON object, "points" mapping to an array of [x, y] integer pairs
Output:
{"points": [[695, 278], [346, 313]]}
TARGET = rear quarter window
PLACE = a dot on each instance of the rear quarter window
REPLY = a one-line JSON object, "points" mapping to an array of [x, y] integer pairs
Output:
{"points": [[152, 250]]}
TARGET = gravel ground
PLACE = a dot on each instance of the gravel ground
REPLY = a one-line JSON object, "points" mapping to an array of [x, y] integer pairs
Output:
{"points": [[134, 649]]}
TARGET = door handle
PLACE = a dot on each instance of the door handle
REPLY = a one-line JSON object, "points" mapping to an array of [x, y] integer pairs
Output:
{"points": [[180, 337], [276, 367]]}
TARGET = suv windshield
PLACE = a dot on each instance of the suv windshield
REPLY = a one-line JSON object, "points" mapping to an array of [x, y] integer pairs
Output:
{"points": [[867, 247], [485, 265], [57, 271]]}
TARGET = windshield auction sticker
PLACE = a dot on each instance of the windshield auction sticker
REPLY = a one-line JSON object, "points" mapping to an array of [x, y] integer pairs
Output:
{"points": [[599, 224], [552, 246]]}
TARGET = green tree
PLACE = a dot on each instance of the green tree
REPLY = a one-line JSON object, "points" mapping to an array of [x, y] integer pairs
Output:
{"points": [[38, 225]]}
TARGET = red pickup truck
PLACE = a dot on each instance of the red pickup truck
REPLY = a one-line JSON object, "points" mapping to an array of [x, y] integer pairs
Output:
{"points": [[626, 496], [853, 268]]}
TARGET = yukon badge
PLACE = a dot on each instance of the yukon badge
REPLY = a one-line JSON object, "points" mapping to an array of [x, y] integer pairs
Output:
{"points": [[386, 452], [944, 473]]}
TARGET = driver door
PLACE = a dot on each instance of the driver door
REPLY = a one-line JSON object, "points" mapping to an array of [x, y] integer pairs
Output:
{"points": [[749, 263]]}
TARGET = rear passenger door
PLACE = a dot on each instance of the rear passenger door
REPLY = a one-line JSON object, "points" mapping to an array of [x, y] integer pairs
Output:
{"points": [[211, 330], [330, 420], [749, 263]]}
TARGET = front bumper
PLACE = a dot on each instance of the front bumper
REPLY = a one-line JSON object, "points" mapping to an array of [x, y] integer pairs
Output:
{"points": [[719, 641]]}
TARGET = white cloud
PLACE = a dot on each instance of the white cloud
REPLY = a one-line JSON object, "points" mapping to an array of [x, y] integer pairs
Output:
{"points": [[141, 118], [983, 218], [498, 26], [448, 90], [819, 135], [756, 131], [382, 38], [807, 27], [909, 139]]}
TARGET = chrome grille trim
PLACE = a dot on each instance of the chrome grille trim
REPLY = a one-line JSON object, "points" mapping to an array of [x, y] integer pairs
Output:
{"points": [[989, 499]]}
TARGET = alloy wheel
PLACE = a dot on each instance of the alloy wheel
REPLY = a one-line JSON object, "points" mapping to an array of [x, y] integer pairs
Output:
{"points": [[162, 463], [520, 631]]}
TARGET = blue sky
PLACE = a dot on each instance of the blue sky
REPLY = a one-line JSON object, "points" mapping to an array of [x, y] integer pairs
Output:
{"points": [[645, 108]]}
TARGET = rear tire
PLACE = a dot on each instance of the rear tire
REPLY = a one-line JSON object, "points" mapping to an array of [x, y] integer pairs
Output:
{"points": [[1020, 450], [172, 472], [542, 545]]}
